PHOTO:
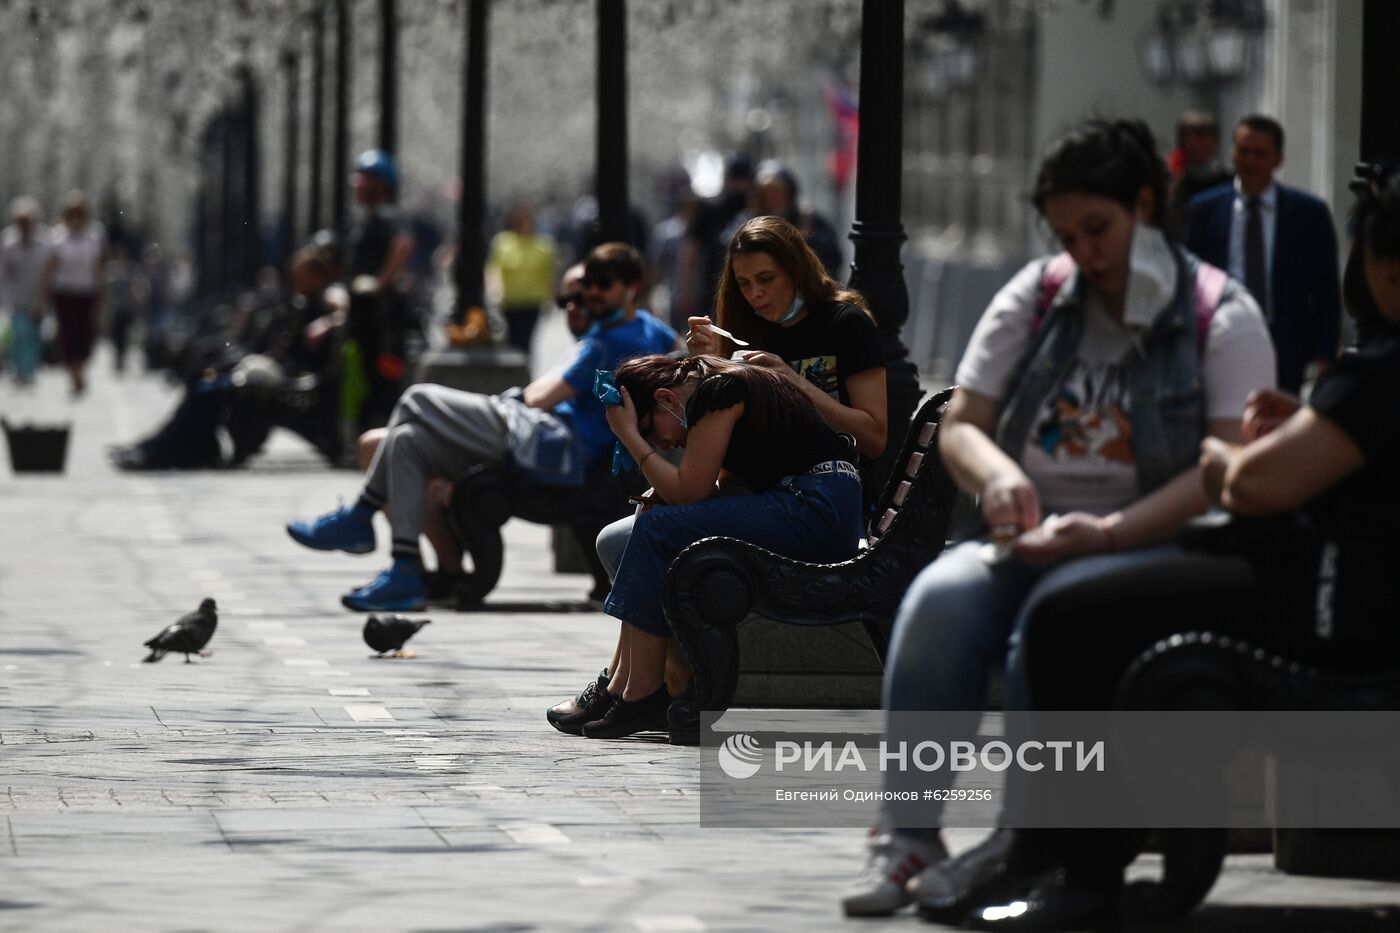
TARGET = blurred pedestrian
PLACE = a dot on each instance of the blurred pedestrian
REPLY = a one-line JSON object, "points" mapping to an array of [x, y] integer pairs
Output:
{"points": [[775, 195], [702, 256], [24, 251], [1281, 244], [121, 301], [378, 249], [72, 284], [520, 270], [1195, 165]]}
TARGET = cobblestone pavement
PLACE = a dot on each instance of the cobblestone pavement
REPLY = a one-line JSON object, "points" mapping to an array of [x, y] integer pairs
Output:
{"points": [[291, 782]]}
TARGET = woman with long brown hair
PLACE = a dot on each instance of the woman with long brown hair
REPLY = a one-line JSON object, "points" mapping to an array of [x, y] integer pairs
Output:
{"points": [[746, 422]]}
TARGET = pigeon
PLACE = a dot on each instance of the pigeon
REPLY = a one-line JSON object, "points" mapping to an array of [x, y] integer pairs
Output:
{"points": [[390, 632], [187, 636]]}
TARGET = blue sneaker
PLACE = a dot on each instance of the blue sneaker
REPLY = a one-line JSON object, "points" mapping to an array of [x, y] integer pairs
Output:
{"points": [[345, 529], [398, 589]]}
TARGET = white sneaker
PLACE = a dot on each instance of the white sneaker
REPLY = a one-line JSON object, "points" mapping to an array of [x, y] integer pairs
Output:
{"points": [[894, 859]]}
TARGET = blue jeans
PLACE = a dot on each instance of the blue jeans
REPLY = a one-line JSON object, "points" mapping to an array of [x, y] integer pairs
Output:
{"points": [[961, 619], [814, 517], [26, 346]]}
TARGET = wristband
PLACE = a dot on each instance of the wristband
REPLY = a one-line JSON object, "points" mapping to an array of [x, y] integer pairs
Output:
{"points": [[642, 461]]}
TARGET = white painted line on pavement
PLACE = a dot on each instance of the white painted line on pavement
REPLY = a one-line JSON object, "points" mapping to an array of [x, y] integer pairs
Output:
{"points": [[417, 740], [262, 626], [347, 691], [283, 640], [366, 713], [535, 834], [679, 923], [597, 881], [438, 762], [306, 662], [327, 673], [477, 787]]}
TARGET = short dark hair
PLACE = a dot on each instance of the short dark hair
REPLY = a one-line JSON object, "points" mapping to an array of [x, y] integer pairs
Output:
{"points": [[1260, 123], [1196, 121], [614, 260], [1114, 159]]}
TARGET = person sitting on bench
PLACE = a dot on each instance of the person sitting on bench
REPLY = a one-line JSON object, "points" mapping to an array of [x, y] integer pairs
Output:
{"points": [[1316, 582], [731, 418], [295, 343], [775, 294], [554, 430], [1082, 397]]}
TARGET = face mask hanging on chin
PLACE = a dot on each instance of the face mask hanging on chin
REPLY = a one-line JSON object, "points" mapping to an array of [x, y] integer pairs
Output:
{"points": [[793, 311]]}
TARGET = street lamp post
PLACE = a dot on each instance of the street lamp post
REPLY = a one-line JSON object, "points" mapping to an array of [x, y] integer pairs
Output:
{"points": [[291, 73], [877, 232], [340, 141], [611, 152], [388, 76], [315, 218], [471, 252]]}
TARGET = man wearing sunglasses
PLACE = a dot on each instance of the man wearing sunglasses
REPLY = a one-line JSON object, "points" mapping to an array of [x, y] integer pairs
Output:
{"points": [[552, 431], [570, 301]]}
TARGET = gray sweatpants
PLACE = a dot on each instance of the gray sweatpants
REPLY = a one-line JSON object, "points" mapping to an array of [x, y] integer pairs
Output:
{"points": [[433, 431]]}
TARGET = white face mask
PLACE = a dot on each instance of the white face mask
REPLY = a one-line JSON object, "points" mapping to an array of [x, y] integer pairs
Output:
{"points": [[679, 416]]}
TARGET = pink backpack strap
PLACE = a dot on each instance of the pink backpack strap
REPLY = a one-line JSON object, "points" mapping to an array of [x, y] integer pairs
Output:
{"points": [[1053, 277], [1210, 287]]}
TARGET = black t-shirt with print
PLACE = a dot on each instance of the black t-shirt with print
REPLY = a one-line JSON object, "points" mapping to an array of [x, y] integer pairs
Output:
{"points": [[828, 346], [770, 441], [1359, 517]]}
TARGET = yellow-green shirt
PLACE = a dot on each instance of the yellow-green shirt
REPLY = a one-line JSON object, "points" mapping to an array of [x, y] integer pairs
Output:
{"points": [[526, 267]]}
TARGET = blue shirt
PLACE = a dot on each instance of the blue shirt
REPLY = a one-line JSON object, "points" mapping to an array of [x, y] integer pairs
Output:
{"points": [[642, 336]]}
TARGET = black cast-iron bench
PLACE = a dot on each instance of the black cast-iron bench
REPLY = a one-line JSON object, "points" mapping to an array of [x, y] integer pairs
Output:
{"points": [[485, 497], [1222, 671], [716, 584]]}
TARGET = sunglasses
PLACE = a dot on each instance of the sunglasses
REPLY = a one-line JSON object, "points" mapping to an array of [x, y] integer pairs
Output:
{"points": [[597, 281], [572, 298]]}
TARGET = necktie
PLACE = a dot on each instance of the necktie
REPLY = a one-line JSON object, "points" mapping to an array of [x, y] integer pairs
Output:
{"points": [[1255, 278]]}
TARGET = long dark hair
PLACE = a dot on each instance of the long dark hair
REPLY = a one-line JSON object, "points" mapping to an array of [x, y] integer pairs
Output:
{"points": [[775, 404], [785, 243], [1114, 159], [1375, 224]]}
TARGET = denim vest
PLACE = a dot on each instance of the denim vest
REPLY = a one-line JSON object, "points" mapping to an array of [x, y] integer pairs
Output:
{"points": [[1163, 379]]}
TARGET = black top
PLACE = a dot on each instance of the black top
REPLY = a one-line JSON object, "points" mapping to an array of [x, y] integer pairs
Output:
{"points": [[770, 441], [828, 346], [1359, 517], [370, 240]]}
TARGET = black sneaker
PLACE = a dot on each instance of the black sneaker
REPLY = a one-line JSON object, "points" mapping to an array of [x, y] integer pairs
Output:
{"points": [[590, 704], [442, 587], [626, 717]]}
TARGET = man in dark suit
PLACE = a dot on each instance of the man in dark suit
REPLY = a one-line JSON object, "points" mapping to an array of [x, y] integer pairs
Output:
{"points": [[1281, 244]]}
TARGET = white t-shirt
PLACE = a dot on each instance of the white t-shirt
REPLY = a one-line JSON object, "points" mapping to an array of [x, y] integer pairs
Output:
{"points": [[77, 254], [1079, 453], [21, 267]]}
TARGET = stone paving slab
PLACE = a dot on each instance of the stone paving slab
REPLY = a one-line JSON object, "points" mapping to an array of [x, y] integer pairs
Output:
{"points": [[291, 782]]}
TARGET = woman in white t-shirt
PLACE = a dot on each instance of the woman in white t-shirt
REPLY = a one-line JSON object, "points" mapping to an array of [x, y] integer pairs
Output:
{"points": [[1082, 400], [73, 282]]}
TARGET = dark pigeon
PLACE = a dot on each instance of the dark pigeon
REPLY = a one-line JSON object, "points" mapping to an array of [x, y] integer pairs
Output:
{"points": [[390, 632], [187, 636]]}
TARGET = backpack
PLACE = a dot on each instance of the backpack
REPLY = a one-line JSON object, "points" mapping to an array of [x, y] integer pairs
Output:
{"points": [[1210, 287]]}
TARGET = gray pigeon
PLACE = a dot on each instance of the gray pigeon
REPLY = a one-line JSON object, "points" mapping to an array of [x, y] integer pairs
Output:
{"points": [[187, 636], [390, 632]]}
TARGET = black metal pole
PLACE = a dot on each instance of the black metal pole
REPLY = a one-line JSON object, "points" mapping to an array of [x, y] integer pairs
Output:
{"points": [[1380, 76], [471, 252], [251, 234], [877, 232], [388, 76], [292, 76], [315, 217], [611, 157], [340, 142]]}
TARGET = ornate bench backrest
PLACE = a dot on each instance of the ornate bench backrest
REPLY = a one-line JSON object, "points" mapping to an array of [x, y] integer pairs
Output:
{"points": [[917, 501]]}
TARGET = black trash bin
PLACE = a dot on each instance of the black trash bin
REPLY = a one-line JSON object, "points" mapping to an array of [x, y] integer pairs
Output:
{"points": [[37, 448]]}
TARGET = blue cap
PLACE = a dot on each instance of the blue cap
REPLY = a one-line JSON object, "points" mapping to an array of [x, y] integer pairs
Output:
{"points": [[380, 164]]}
